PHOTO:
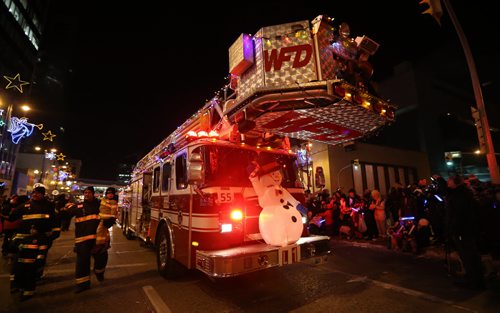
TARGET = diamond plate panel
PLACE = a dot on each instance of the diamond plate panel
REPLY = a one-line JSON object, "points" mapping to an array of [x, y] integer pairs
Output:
{"points": [[288, 75], [254, 76], [273, 38], [332, 125], [326, 60]]}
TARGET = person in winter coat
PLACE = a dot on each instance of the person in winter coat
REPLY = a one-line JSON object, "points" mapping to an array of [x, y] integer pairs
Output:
{"points": [[108, 211], [86, 221], [32, 240], [462, 225]]}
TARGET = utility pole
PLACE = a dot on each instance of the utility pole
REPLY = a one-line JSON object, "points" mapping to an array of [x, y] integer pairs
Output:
{"points": [[482, 124]]}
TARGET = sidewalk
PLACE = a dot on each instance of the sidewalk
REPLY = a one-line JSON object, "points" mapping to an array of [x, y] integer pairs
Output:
{"points": [[437, 252]]}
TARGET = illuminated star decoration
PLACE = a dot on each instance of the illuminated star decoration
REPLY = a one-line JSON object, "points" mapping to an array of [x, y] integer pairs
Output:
{"points": [[48, 136], [20, 128], [2, 123], [15, 82], [60, 157]]}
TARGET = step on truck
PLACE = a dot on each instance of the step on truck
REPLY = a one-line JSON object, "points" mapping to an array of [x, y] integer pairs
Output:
{"points": [[191, 196]]}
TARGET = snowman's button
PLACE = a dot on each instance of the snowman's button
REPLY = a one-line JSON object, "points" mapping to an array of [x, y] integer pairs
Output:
{"points": [[286, 207], [282, 200], [294, 219], [280, 192]]}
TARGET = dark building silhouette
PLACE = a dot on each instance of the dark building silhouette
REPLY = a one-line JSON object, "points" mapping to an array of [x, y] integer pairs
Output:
{"points": [[21, 31]]}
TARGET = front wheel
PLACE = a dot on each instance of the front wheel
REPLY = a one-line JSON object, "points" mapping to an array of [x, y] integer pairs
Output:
{"points": [[167, 266]]}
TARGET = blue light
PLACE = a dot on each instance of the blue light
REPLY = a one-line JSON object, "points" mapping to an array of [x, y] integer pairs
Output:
{"points": [[439, 198], [20, 128], [407, 218]]}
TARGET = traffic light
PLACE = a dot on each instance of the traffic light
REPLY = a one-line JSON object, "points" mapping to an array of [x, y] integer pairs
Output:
{"points": [[448, 157], [434, 9]]}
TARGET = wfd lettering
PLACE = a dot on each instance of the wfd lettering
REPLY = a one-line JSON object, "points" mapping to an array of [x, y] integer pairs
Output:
{"points": [[276, 60]]}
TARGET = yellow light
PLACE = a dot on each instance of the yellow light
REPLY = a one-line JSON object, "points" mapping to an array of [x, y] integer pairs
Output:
{"points": [[25, 108], [36, 171], [477, 151], [195, 243], [37, 148], [53, 150], [268, 148]]}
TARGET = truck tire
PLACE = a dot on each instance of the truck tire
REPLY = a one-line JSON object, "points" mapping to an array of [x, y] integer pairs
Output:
{"points": [[167, 266]]}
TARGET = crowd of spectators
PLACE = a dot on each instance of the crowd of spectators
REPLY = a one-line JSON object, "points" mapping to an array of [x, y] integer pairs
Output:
{"points": [[408, 218]]}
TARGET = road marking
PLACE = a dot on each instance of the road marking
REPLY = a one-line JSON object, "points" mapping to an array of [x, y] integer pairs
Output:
{"points": [[155, 300], [411, 292], [73, 245], [129, 251], [72, 270]]}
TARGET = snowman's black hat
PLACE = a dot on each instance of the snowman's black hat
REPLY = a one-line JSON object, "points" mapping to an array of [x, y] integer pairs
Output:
{"points": [[268, 168]]}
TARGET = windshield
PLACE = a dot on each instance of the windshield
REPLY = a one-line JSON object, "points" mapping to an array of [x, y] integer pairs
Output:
{"points": [[228, 166]]}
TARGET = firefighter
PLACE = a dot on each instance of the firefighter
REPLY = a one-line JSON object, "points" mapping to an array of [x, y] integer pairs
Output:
{"points": [[32, 240], [52, 235], [107, 212], [86, 221]]}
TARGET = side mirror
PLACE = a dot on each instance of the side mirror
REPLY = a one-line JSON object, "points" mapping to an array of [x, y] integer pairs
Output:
{"points": [[195, 169]]}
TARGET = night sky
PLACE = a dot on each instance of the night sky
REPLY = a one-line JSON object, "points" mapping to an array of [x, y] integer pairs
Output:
{"points": [[133, 71]]}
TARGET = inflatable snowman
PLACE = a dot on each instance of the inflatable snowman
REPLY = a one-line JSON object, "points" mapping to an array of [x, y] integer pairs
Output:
{"points": [[280, 222]]}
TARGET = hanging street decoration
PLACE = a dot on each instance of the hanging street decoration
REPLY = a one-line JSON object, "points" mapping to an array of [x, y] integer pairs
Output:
{"points": [[15, 82], [63, 175], [20, 128], [48, 136], [1, 118], [60, 157], [50, 155]]}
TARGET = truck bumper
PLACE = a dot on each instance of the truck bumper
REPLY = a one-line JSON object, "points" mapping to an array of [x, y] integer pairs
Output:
{"points": [[246, 259]]}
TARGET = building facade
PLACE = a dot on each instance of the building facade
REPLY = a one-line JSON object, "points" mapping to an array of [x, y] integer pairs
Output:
{"points": [[21, 29], [364, 166]]}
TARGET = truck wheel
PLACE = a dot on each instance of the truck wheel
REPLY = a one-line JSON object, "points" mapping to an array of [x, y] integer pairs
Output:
{"points": [[167, 266]]}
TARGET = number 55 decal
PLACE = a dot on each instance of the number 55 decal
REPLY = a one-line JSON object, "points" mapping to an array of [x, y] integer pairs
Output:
{"points": [[225, 196]]}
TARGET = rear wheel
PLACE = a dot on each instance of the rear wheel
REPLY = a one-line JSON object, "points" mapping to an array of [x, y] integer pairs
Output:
{"points": [[167, 266]]}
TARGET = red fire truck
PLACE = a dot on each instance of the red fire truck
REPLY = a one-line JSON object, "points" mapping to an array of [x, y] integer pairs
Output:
{"points": [[191, 197]]}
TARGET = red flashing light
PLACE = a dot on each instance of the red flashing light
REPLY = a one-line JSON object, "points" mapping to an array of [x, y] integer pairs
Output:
{"points": [[213, 134], [236, 215]]}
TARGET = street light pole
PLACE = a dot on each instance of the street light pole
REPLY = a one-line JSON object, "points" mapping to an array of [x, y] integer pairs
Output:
{"points": [[490, 151], [338, 174]]}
